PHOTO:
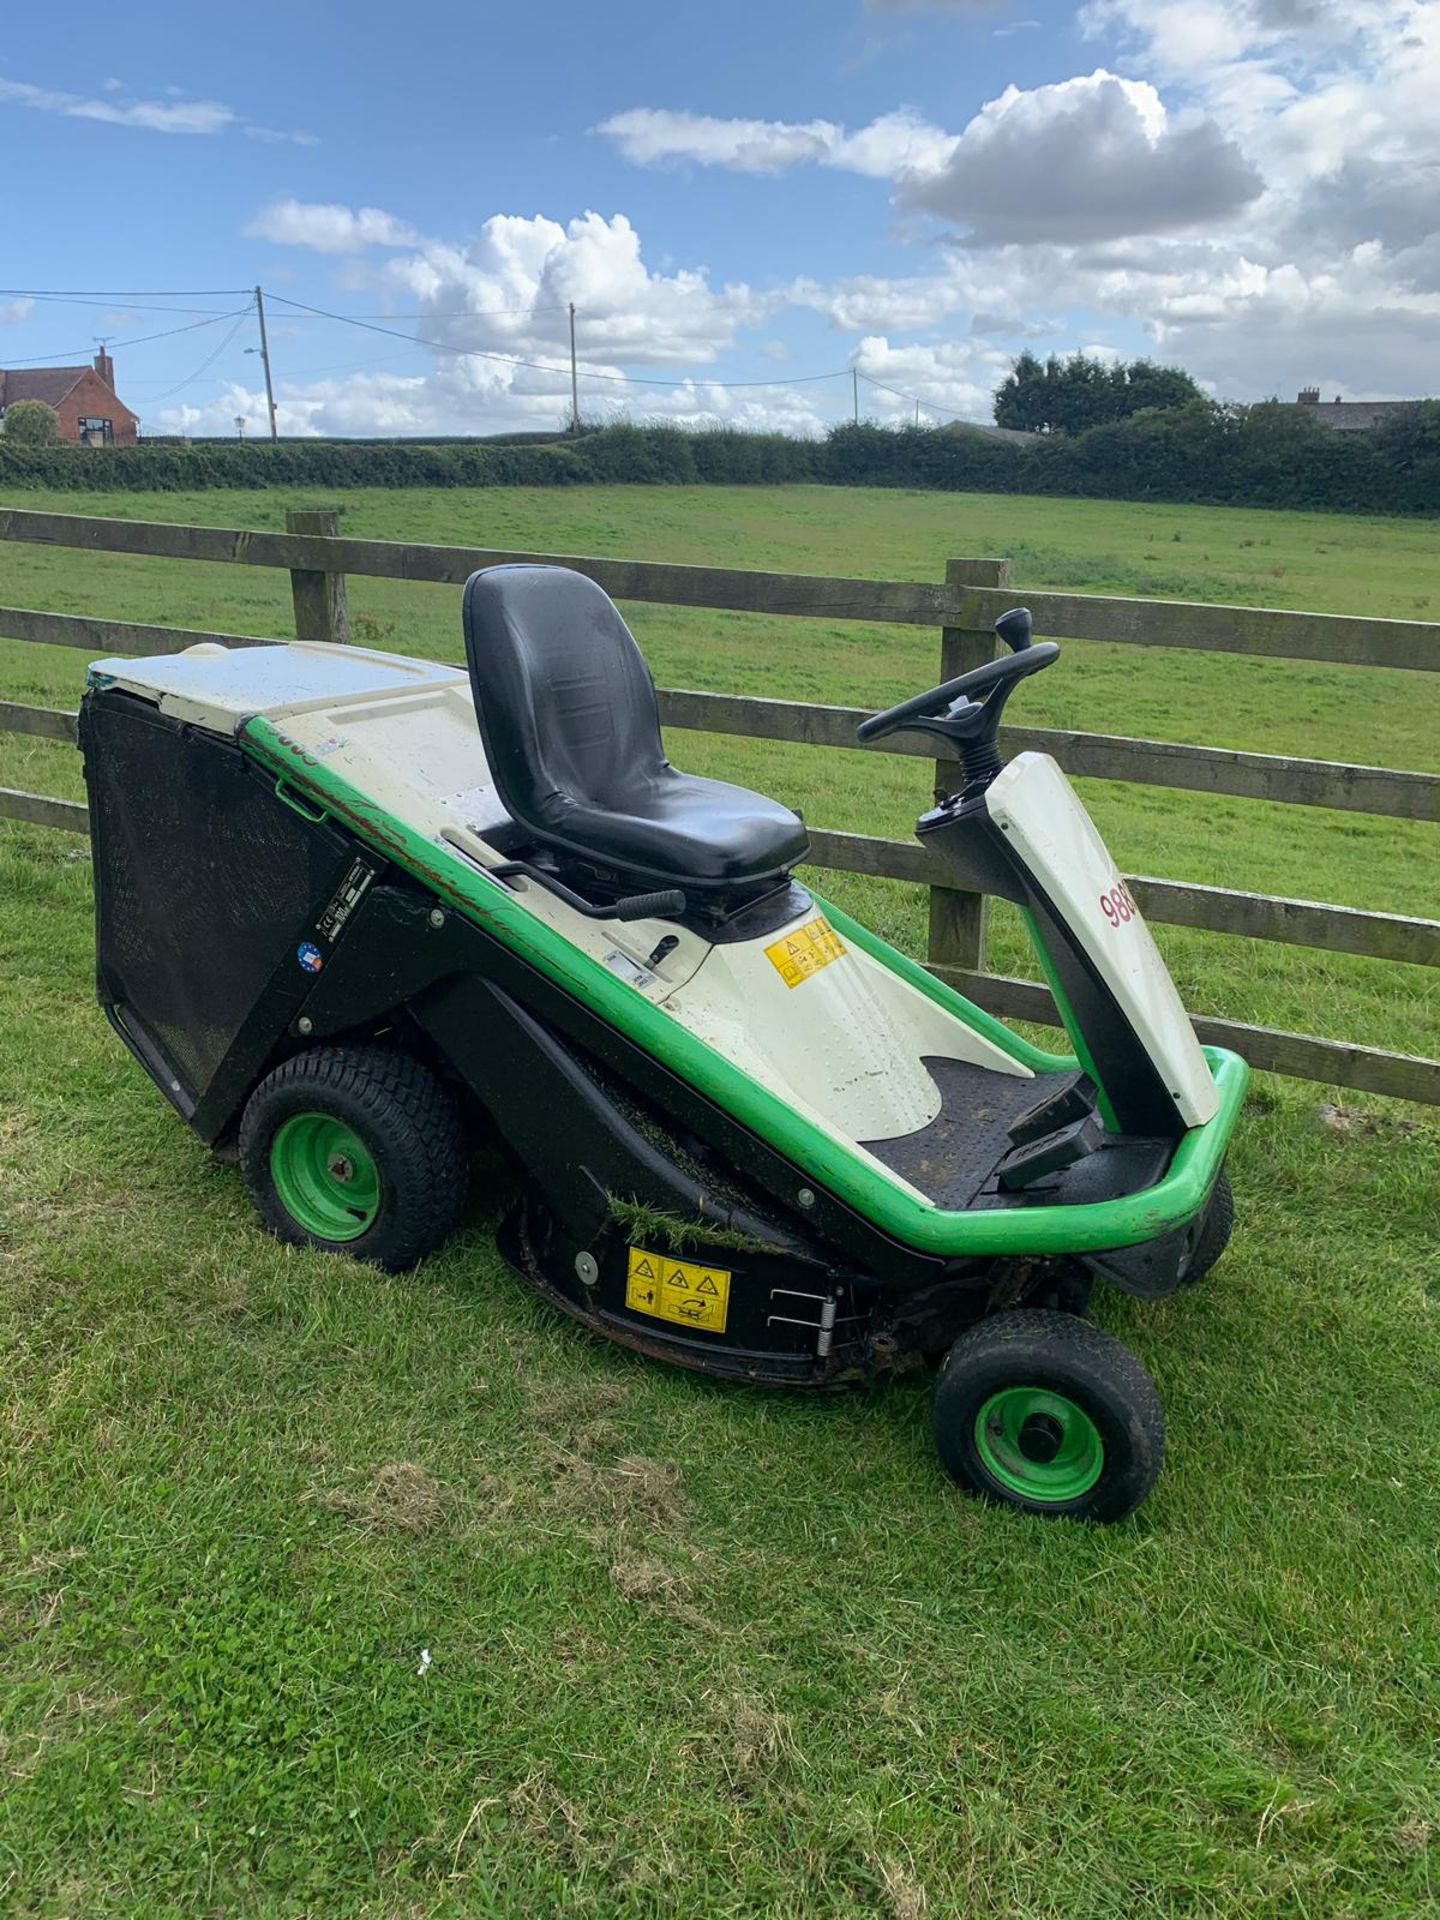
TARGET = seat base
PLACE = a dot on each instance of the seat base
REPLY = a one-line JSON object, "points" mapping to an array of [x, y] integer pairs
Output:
{"points": [[702, 835]]}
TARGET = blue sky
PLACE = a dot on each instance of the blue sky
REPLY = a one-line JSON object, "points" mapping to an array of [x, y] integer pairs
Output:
{"points": [[914, 188]]}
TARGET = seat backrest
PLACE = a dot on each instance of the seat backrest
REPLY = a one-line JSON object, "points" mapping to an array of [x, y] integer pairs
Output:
{"points": [[564, 698]]}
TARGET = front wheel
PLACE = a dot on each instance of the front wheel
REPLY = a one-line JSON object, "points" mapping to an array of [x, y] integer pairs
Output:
{"points": [[1041, 1411]]}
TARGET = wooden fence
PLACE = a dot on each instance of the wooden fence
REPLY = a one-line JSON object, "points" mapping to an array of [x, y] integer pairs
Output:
{"points": [[973, 593]]}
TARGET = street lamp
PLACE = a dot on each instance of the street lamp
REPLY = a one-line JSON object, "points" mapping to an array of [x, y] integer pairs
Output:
{"points": [[240, 424]]}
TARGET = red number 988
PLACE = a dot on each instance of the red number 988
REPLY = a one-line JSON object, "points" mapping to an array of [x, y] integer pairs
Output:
{"points": [[1117, 906]]}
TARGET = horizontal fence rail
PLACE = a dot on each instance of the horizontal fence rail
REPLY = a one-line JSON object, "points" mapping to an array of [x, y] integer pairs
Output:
{"points": [[808, 596], [1338, 638], [964, 607], [109, 636], [1096, 756], [1299, 1055]]}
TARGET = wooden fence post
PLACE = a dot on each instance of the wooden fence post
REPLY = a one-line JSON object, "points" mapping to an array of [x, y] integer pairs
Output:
{"points": [[322, 611], [959, 922]]}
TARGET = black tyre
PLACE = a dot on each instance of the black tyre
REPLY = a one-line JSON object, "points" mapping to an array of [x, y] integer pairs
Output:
{"points": [[1214, 1234], [356, 1150], [1041, 1411]]}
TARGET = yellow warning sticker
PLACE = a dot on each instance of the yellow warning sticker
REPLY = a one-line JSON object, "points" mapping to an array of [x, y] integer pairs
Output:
{"points": [[675, 1290], [800, 954]]}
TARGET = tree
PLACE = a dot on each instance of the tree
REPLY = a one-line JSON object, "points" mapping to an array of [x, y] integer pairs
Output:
{"points": [[1071, 396], [30, 423]]}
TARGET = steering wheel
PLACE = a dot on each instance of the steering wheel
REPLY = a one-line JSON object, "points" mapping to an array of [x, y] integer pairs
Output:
{"points": [[950, 711]]}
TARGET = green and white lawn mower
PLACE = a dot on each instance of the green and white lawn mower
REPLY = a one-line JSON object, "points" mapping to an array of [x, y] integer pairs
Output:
{"points": [[355, 910]]}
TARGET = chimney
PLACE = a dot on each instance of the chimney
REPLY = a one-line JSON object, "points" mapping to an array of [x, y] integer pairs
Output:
{"points": [[105, 367], [1308, 397]]}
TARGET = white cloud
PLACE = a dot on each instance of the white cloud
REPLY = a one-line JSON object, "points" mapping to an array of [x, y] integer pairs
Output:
{"points": [[1087, 159], [1084, 159], [328, 228], [895, 143], [12, 312], [871, 303], [508, 290], [156, 116], [172, 115]]}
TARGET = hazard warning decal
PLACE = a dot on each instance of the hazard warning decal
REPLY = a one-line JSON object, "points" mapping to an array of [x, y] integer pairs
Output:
{"points": [[805, 951], [671, 1289]]}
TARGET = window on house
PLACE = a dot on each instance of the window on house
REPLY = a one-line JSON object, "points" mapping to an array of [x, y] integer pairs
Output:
{"points": [[95, 432]]}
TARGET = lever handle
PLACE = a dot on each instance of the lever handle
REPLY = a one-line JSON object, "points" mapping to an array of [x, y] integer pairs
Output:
{"points": [[668, 905]]}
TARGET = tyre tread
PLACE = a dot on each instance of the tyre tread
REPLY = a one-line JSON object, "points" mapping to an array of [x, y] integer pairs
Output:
{"points": [[1065, 1349], [406, 1104]]}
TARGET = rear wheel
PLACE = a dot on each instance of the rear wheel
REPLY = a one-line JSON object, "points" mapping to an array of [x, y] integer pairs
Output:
{"points": [[1041, 1411], [355, 1150]]}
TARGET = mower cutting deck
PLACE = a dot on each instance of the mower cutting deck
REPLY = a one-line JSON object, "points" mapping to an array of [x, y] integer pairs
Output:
{"points": [[354, 908]]}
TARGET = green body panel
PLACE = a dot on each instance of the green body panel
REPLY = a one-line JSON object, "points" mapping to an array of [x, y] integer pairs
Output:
{"points": [[827, 1161]]}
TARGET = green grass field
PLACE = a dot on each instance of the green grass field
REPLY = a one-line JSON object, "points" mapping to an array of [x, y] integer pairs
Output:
{"points": [[700, 1650]]}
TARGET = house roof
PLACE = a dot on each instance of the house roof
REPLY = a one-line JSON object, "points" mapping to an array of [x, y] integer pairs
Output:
{"points": [[50, 384]]}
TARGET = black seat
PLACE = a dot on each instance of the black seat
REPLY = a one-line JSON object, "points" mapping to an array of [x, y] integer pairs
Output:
{"points": [[568, 715]]}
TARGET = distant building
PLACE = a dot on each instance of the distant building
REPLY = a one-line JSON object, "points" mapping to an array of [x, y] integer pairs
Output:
{"points": [[87, 408], [1351, 416]]}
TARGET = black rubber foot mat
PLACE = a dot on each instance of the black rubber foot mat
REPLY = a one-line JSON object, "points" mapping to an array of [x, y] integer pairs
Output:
{"points": [[952, 1158]]}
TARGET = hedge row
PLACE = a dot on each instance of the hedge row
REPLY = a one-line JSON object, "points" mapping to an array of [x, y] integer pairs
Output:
{"points": [[1263, 456]]}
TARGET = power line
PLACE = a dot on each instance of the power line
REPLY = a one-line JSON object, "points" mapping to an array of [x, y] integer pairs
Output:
{"points": [[539, 366], [206, 364], [69, 300], [145, 338], [103, 300], [914, 398], [101, 293]]}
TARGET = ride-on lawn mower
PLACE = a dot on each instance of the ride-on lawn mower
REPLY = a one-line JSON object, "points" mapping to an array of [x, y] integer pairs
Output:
{"points": [[352, 908]]}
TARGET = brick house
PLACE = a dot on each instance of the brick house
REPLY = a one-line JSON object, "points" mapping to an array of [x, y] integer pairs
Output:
{"points": [[86, 406]]}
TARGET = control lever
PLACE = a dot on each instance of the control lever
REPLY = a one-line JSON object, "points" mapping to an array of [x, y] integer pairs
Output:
{"points": [[666, 905]]}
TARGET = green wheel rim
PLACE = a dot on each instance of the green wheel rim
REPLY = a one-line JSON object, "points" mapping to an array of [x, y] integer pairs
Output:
{"points": [[326, 1177], [1018, 1427]]}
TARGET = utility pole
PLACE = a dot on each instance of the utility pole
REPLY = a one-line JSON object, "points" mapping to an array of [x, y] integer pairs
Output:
{"points": [[855, 389], [265, 360], [917, 413], [574, 377]]}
